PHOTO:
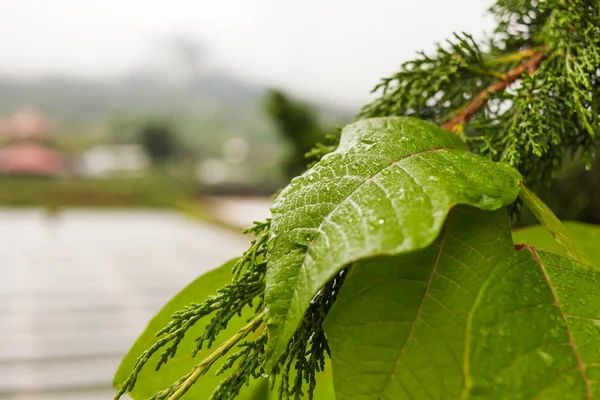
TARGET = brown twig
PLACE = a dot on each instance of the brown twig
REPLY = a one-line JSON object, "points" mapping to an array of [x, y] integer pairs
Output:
{"points": [[457, 123]]}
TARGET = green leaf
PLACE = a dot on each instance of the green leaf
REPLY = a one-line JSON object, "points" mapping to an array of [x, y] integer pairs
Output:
{"points": [[535, 332], [150, 381], [586, 235], [398, 327], [547, 218], [468, 318], [386, 190]]}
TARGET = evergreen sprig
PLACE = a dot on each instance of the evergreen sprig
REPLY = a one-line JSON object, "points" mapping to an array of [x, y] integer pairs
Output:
{"points": [[527, 96], [305, 356], [247, 285]]}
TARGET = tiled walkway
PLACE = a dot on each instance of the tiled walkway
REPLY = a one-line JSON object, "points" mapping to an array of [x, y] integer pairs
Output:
{"points": [[76, 289]]}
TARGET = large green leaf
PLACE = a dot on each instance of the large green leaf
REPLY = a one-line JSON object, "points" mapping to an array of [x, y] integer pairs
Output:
{"points": [[535, 333], [386, 190], [150, 381], [587, 235], [468, 318], [398, 327]]}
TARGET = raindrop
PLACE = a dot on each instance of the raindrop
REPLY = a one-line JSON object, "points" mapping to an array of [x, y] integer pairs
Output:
{"points": [[381, 221], [367, 141], [545, 356], [328, 159], [385, 172], [433, 178], [471, 195]]}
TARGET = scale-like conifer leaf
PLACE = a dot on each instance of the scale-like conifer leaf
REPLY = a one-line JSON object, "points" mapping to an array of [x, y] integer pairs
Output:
{"points": [[386, 190], [150, 381]]}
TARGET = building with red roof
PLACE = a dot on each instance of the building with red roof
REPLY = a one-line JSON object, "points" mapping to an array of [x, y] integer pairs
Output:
{"points": [[26, 151]]}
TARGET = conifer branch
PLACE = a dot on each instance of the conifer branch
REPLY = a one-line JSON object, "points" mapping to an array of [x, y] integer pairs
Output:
{"points": [[457, 123], [205, 365]]}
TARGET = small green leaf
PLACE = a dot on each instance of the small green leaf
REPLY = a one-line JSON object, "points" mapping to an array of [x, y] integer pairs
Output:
{"points": [[386, 190], [554, 225], [398, 327], [586, 235], [535, 331], [150, 381]]}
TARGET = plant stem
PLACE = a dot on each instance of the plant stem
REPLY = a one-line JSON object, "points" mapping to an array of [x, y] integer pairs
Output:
{"points": [[547, 218], [518, 56], [457, 123], [201, 368]]}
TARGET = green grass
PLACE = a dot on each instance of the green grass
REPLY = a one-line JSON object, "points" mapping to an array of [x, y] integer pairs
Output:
{"points": [[153, 191]]}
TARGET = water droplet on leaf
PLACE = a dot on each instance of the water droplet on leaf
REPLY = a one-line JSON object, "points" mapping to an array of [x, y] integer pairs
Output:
{"points": [[545, 356], [329, 158]]}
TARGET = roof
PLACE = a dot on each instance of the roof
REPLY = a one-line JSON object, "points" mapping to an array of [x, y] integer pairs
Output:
{"points": [[30, 158]]}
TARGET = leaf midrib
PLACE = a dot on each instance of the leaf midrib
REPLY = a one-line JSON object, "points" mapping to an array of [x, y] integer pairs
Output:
{"points": [[326, 218], [417, 317]]}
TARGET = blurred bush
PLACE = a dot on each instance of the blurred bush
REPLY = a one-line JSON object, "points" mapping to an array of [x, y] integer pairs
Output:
{"points": [[159, 141]]}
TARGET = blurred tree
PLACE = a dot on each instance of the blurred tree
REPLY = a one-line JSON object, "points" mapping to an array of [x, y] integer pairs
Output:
{"points": [[159, 141], [298, 123]]}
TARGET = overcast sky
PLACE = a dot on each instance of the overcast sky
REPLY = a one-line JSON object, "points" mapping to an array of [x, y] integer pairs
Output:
{"points": [[334, 50]]}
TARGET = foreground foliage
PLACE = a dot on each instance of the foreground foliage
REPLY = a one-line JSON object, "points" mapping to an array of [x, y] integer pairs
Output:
{"points": [[390, 263]]}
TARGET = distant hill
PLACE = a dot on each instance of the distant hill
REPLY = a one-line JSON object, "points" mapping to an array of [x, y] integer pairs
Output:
{"points": [[207, 107]]}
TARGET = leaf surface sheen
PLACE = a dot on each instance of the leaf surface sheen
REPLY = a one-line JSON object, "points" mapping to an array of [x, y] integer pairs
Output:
{"points": [[386, 190]]}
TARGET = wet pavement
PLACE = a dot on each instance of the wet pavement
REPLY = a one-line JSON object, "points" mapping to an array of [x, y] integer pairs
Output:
{"points": [[77, 288]]}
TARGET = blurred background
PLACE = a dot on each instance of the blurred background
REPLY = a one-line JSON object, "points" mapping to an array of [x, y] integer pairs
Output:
{"points": [[138, 137]]}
